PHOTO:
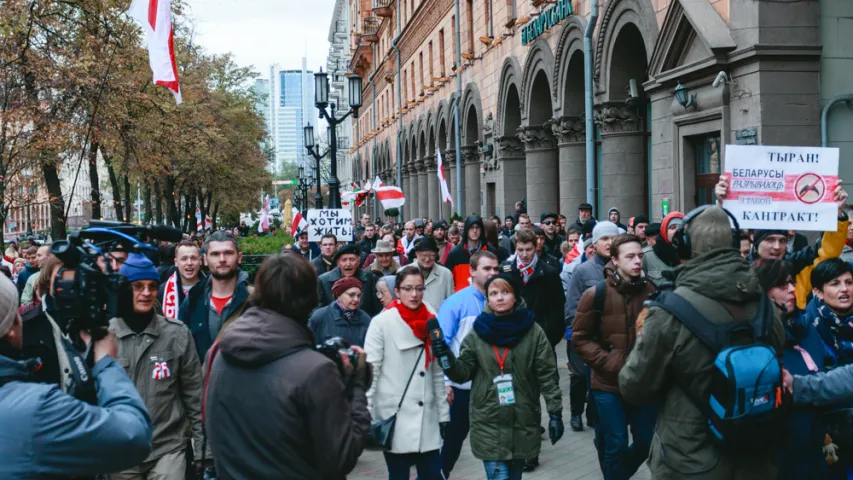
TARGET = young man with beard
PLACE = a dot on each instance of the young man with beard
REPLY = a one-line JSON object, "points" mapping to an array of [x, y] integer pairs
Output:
{"points": [[346, 262], [458, 260], [641, 223], [456, 316], [328, 247], [548, 224], [438, 280], [542, 291], [160, 357], [186, 275], [407, 242], [214, 303], [605, 339], [586, 275], [439, 234]]}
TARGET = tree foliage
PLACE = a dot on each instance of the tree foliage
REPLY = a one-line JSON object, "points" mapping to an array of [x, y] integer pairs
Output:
{"points": [[75, 86]]}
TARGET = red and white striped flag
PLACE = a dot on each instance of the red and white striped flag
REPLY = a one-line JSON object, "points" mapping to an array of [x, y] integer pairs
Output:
{"points": [[445, 192], [391, 197], [378, 183], [298, 222], [264, 223], [576, 253], [155, 16]]}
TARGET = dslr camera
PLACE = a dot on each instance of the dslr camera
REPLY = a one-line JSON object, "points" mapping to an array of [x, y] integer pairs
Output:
{"points": [[333, 348]]}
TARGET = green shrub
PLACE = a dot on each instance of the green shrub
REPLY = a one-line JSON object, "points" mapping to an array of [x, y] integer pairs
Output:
{"points": [[265, 245]]}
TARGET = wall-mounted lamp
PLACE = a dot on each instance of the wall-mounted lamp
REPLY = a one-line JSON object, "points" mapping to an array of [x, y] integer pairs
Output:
{"points": [[685, 99]]}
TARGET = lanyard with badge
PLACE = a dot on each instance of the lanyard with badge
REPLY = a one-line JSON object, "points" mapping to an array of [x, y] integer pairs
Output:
{"points": [[503, 382]]}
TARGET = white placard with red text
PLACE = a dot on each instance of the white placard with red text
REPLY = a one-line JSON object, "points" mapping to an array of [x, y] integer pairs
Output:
{"points": [[782, 188]]}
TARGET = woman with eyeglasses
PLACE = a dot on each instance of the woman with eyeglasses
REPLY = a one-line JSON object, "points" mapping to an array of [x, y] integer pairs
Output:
{"points": [[398, 348], [803, 456]]}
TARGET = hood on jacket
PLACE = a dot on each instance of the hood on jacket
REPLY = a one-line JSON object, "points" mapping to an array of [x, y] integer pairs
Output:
{"points": [[473, 220], [261, 336], [720, 274], [16, 370], [618, 214]]}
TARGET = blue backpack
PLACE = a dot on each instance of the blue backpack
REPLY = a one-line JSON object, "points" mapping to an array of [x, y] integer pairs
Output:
{"points": [[744, 409]]}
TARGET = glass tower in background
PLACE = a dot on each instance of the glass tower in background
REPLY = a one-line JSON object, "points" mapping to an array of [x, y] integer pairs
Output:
{"points": [[291, 93]]}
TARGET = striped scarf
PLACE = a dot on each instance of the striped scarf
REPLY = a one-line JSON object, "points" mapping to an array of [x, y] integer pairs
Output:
{"points": [[527, 270]]}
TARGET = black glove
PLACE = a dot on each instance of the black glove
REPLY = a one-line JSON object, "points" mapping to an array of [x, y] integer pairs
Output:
{"points": [[442, 428], [439, 349], [555, 427]]}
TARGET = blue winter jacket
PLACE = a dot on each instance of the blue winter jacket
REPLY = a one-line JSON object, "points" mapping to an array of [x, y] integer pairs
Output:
{"points": [[45, 433], [803, 457]]}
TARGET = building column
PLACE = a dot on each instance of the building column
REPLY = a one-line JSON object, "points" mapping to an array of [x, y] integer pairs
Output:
{"points": [[413, 178], [571, 141], [447, 210], [433, 193], [471, 164], [510, 155], [407, 192], [540, 151], [423, 191], [622, 171]]}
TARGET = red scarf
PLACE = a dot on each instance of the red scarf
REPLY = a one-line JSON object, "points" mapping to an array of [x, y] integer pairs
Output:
{"points": [[416, 320]]}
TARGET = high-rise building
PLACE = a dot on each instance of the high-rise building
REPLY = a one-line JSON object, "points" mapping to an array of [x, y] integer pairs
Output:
{"points": [[262, 105], [291, 93]]}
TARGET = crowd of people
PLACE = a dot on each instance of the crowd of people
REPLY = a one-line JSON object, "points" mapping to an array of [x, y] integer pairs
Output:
{"points": [[414, 336]]}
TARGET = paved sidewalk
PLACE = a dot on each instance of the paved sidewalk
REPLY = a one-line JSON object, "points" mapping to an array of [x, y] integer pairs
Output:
{"points": [[572, 458]]}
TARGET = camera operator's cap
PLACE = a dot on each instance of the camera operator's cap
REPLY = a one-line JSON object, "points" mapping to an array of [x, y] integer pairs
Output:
{"points": [[349, 249], [9, 305], [139, 267]]}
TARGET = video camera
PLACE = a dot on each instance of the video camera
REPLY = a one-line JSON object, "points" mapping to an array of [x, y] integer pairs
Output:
{"points": [[333, 348], [88, 300]]}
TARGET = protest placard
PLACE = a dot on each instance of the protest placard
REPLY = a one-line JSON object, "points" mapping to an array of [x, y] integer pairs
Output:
{"points": [[782, 188], [337, 221]]}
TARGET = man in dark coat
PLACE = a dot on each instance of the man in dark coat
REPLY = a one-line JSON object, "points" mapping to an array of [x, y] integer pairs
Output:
{"points": [[553, 240], [584, 217], [328, 246], [346, 265]]}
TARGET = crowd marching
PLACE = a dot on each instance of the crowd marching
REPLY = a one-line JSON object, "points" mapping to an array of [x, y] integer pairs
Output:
{"points": [[704, 350]]}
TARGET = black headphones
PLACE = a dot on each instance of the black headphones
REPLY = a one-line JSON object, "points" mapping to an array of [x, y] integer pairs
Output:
{"points": [[681, 241]]}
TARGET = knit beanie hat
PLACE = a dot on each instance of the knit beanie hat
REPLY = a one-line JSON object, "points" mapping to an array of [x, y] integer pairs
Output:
{"points": [[709, 231], [674, 218], [604, 229], [345, 284], [139, 267], [8, 305], [514, 282], [758, 236]]}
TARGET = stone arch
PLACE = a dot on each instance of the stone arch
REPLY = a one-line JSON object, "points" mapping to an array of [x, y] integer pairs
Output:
{"points": [[442, 135], [471, 125], [422, 145], [431, 145], [539, 59], [510, 80], [430, 121], [617, 14], [565, 73], [628, 61], [441, 113]]}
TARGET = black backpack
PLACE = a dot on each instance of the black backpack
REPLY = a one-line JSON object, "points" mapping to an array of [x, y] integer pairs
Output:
{"points": [[744, 409]]}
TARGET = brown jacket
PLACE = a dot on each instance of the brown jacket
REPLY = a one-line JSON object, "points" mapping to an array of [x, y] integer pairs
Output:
{"points": [[277, 408], [604, 340]]}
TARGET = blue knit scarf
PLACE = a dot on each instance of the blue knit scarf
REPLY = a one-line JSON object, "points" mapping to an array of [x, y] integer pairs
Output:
{"points": [[504, 330]]}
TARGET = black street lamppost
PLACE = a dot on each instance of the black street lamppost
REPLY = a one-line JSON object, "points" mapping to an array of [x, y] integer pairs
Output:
{"points": [[321, 101], [314, 150], [304, 184]]}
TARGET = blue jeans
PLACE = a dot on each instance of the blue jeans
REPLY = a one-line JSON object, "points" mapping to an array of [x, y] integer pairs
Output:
{"points": [[621, 461], [428, 465], [457, 431], [510, 470]]}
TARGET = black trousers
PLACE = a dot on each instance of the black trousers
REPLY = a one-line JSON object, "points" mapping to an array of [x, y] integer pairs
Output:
{"points": [[578, 392]]}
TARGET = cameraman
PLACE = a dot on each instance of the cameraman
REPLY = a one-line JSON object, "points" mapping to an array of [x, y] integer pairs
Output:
{"points": [[46, 432], [265, 380]]}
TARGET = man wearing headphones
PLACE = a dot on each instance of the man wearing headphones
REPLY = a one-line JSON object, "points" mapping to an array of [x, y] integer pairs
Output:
{"points": [[669, 367]]}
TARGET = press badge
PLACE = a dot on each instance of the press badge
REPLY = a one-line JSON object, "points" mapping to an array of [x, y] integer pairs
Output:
{"points": [[506, 395]]}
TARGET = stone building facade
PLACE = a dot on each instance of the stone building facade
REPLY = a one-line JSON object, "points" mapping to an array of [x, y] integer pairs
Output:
{"points": [[521, 106]]}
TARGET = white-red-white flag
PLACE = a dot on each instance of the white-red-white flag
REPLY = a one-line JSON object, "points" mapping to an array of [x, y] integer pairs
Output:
{"points": [[155, 16], [442, 182], [264, 223], [298, 222], [377, 182], [391, 197]]}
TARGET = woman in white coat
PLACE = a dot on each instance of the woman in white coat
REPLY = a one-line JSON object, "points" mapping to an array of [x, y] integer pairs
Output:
{"points": [[397, 345]]}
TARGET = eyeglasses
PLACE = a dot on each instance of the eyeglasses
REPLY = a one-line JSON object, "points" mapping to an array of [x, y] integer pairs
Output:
{"points": [[548, 222], [408, 289]]}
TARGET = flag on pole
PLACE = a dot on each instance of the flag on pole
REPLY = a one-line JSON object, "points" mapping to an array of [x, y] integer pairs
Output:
{"points": [[391, 197], [155, 16], [360, 195], [377, 183], [445, 192], [347, 198], [298, 222], [198, 220], [367, 186], [207, 222], [264, 223]]}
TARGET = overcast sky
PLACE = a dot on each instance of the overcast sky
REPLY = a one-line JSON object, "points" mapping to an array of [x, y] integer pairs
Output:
{"points": [[262, 32]]}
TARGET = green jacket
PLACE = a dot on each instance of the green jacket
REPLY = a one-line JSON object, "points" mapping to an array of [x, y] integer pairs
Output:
{"points": [[509, 432], [668, 358]]}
